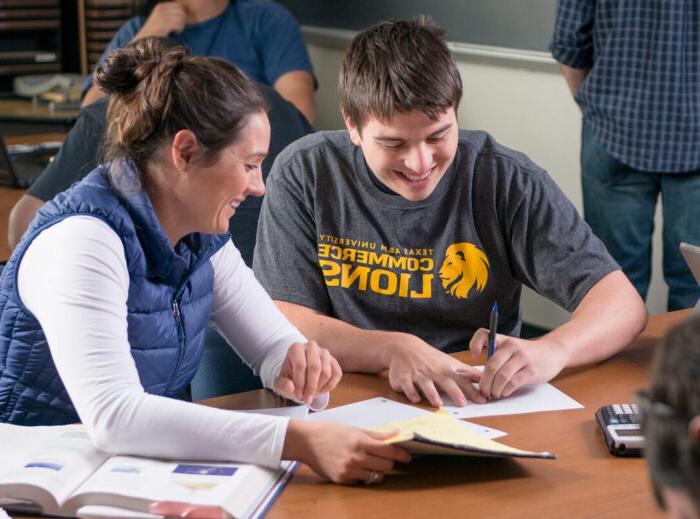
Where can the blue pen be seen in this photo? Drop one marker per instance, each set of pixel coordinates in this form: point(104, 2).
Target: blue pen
point(493, 325)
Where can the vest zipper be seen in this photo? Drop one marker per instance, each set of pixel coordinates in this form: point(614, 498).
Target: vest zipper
point(181, 342)
point(178, 320)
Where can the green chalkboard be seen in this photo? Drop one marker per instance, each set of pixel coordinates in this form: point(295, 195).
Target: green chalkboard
point(519, 24)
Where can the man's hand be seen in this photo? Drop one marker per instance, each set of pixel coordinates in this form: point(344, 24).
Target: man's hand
point(308, 370)
point(417, 368)
point(340, 453)
point(516, 362)
point(165, 18)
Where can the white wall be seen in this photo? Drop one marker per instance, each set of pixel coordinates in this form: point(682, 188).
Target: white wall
point(524, 106)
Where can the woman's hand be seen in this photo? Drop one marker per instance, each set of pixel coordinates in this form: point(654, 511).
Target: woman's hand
point(516, 362)
point(308, 370)
point(341, 453)
point(165, 18)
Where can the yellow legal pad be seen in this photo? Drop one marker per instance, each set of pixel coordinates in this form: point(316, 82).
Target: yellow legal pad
point(440, 433)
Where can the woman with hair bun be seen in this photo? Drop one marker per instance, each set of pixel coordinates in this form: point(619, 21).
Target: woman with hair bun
point(104, 302)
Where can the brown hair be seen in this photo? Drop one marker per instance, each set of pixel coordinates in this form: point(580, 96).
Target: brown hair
point(398, 66)
point(673, 400)
point(156, 91)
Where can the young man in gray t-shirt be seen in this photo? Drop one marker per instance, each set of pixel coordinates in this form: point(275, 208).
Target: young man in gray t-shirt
point(389, 243)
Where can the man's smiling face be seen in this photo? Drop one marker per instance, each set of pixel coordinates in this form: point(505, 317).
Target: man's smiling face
point(410, 152)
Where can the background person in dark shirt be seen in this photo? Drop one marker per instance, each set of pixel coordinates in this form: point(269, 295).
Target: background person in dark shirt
point(221, 371)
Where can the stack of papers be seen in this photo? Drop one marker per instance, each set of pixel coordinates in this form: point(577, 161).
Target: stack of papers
point(376, 412)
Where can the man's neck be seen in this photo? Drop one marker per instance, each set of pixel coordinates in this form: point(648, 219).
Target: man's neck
point(201, 10)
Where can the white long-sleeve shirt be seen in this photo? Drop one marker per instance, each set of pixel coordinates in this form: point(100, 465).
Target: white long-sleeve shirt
point(74, 279)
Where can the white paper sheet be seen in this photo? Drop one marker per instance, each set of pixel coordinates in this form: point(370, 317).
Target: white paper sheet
point(379, 411)
point(528, 399)
point(291, 411)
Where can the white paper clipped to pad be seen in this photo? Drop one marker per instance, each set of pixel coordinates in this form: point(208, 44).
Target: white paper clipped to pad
point(378, 411)
point(528, 399)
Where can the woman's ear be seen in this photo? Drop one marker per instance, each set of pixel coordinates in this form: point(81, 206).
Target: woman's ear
point(184, 148)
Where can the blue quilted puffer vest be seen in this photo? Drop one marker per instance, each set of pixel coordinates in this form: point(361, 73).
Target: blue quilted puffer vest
point(169, 304)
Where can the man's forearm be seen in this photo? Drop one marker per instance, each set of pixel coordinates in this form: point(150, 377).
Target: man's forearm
point(606, 320)
point(355, 349)
point(298, 88)
point(93, 94)
point(574, 77)
point(21, 216)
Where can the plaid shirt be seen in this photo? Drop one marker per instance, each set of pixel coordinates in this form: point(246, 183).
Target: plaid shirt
point(641, 96)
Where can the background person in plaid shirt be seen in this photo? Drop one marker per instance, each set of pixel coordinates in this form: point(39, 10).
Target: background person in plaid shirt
point(634, 69)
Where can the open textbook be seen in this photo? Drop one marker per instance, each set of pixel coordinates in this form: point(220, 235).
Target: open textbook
point(440, 433)
point(57, 471)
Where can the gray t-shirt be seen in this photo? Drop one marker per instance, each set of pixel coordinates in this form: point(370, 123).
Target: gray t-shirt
point(331, 240)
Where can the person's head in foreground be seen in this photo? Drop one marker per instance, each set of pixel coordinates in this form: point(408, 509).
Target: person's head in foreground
point(670, 411)
point(399, 91)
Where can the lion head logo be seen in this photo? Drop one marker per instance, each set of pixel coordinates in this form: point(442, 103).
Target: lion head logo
point(464, 266)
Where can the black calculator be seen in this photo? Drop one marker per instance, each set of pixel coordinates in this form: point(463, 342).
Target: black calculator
point(621, 429)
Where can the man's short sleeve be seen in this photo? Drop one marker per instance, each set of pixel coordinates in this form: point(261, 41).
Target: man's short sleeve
point(281, 43)
point(572, 42)
point(124, 35)
point(285, 252)
point(552, 249)
point(77, 156)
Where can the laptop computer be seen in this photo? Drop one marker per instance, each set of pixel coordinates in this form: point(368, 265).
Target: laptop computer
point(21, 164)
point(691, 254)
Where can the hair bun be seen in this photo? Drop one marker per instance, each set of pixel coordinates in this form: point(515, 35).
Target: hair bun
point(116, 74)
point(125, 68)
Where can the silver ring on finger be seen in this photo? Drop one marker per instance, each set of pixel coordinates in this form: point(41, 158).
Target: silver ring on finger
point(374, 477)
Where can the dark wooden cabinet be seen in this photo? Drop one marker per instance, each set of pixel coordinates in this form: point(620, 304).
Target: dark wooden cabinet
point(30, 38)
point(51, 36)
point(99, 21)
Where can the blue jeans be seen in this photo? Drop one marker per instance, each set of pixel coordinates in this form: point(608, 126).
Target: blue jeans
point(619, 204)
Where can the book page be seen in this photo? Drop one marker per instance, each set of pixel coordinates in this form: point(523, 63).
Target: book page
point(57, 459)
point(134, 483)
point(108, 512)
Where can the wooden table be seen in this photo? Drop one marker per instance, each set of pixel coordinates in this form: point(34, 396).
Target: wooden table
point(20, 109)
point(19, 116)
point(585, 481)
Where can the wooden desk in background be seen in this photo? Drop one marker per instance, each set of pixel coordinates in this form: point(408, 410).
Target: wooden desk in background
point(10, 195)
point(17, 110)
point(585, 481)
